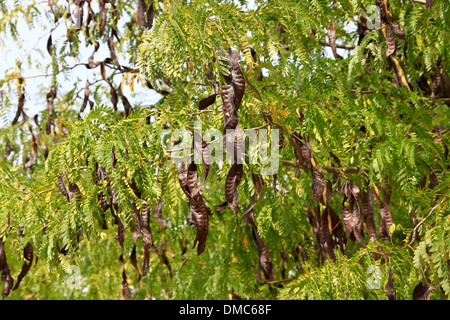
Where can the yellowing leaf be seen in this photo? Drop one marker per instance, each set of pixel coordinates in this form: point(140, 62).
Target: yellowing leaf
point(391, 229)
point(284, 113)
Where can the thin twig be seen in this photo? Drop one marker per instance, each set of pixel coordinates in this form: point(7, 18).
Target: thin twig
point(258, 128)
point(340, 46)
point(200, 112)
point(280, 281)
point(414, 231)
point(327, 169)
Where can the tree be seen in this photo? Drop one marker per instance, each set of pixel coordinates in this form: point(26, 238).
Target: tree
point(110, 199)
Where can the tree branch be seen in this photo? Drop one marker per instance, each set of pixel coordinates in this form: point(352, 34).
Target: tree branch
point(327, 169)
point(340, 46)
point(414, 231)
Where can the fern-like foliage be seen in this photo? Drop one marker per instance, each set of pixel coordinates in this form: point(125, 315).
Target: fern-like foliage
point(358, 208)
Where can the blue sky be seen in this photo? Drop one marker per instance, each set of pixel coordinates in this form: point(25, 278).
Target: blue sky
point(32, 45)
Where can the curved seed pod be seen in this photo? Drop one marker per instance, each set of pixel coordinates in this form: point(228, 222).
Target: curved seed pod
point(332, 40)
point(182, 178)
point(390, 41)
point(382, 6)
point(49, 45)
point(320, 186)
point(34, 152)
point(231, 123)
point(231, 183)
point(238, 149)
point(140, 13)
point(228, 107)
point(264, 263)
point(336, 228)
point(238, 79)
point(369, 215)
point(145, 227)
point(133, 257)
point(200, 215)
point(398, 31)
point(201, 149)
point(387, 191)
point(386, 221)
point(134, 187)
point(422, 291)
point(258, 185)
point(5, 272)
point(296, 142)
point(114, 99)
point(74, 191)
point(221, 207)
point(157, 214)
point(150, 15)
point(28, 255)
point(433, 180)
point(125, 291)
point(192, 179)
point(62, 187)
point(190, 216)
point(325, 240)
point(86, 96)
point(51, 95)
point(351, 213)
point(389, 287)
point(20, 105)
point(112, 50)
point(206, 102)
point(198, 211)
point(386, 217)
point(3, 262)
point(145, 232)
point(9, 282)
point(102, 17)
point(125, 102)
